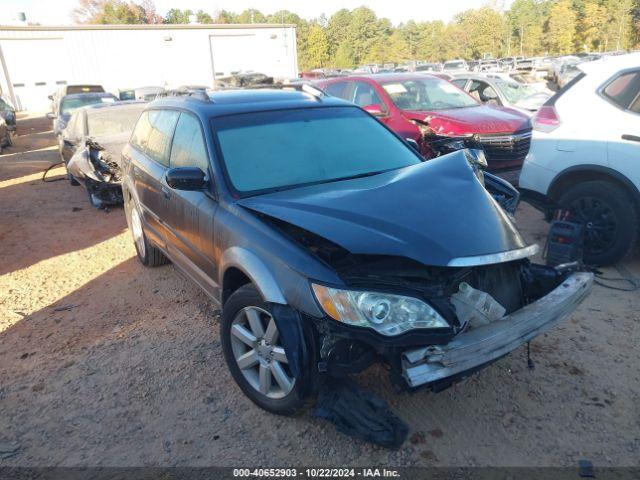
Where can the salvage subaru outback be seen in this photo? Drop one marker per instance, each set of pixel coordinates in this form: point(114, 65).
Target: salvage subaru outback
point(331, 244)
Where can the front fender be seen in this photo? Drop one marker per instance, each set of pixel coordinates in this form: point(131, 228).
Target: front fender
point(255, 269)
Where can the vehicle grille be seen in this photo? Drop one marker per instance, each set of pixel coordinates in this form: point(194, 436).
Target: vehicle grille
point(505, 148)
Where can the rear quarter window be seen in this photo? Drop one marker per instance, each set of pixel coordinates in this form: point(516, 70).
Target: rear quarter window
point(624, 91)
point(140, 135)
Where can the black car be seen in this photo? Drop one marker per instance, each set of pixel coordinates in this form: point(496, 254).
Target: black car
point(331, 244)
point(91, 146)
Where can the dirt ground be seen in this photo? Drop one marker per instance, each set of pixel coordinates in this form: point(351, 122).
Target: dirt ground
point(106, 363)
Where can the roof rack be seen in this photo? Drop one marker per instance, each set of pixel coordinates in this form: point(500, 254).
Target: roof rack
point(197, 93)
point(305, 87)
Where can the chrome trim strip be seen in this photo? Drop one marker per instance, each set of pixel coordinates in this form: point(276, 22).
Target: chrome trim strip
point(494, 257)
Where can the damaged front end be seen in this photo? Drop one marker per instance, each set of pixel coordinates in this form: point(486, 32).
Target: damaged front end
point(98, 168)
point(483, 312)
point(429, 274)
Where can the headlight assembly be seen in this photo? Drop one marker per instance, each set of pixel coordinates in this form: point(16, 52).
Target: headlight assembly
point(386, 313)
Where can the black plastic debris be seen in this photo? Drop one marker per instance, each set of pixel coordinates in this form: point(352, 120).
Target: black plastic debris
point(360, 414)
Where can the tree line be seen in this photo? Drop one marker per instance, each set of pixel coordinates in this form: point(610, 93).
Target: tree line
point(355, 37)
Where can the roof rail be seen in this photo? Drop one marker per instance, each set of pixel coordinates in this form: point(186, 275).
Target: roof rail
point(197, 93)
point(305, 87)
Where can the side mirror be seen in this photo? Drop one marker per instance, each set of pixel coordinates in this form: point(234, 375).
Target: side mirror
point(375, 110)
point(51, 116)
point(186, 178)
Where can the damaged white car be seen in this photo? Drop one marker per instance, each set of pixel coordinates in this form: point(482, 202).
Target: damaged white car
point(91, 145)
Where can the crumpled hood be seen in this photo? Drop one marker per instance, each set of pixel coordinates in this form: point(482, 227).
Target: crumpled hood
point(432, 212)
point(113, 144)
point(465, 121)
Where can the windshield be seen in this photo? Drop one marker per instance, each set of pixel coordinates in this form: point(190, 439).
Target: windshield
point(109, 121)
point(427, 94)
point(453, 65)
point(513, 91)
point(287, 148)
point(70, 105)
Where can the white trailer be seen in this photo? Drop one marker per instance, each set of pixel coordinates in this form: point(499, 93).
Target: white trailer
point(36, 61)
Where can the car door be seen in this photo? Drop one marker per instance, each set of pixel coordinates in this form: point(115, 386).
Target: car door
point(623, 123)
point(152, 143)
point(190, 225)
point(483, 92)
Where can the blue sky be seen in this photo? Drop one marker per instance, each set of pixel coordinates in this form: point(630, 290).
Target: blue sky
point(57, 12)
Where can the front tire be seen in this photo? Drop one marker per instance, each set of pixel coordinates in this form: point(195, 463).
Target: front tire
point(148, 255)
point(255, 356)
point(610, 220)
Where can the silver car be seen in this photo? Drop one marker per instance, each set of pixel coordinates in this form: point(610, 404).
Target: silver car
point(499, 91)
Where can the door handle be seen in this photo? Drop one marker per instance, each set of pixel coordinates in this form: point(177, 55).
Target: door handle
point(631, 138)
point(166, 192)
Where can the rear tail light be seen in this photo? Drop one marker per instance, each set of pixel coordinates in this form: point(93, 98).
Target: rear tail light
point(546, 120)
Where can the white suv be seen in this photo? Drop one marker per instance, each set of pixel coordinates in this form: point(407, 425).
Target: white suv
point(585, 155)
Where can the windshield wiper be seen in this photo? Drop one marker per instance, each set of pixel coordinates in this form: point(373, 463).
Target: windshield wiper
point(352, 177)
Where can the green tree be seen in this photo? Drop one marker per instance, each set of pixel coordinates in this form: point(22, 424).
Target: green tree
point(619, 26)
point(203, 17)
point(561, 27)
point(317, 47)
point(251, 15)
point(592, 27)
point(337, 30)
point(175, 15)
point(344, 57)
point(525, 28)
point(224, 17)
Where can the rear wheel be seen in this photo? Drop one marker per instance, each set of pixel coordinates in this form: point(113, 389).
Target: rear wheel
point(148, 255)
point(254, 354)
point(610, 220)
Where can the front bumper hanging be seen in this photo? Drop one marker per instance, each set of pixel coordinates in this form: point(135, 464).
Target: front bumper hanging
point(484, 344)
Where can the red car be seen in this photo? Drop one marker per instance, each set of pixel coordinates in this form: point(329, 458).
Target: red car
point(428, 109)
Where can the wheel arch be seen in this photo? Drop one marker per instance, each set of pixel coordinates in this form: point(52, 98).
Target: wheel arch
point(586, 173)
point(240, 266)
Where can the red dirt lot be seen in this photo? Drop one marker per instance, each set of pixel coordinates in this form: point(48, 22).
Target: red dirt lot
point(106, 363)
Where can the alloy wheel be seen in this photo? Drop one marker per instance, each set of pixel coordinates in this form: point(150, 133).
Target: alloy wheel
point(600, 223)
point(259, 354)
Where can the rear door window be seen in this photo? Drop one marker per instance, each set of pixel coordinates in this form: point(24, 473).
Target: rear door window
point(188, 148)
point(364, 94)
point(624, 91)
point(140, 135)
point(162, 123)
